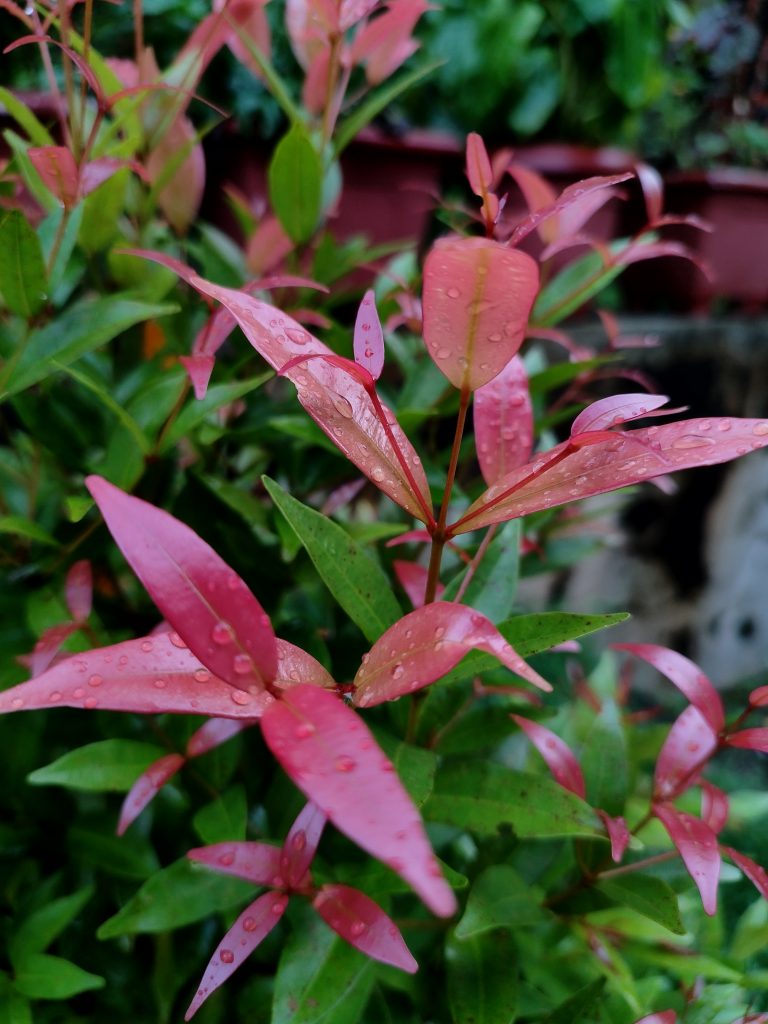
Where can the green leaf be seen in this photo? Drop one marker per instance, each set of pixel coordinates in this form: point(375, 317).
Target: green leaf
point(482, 979)
point(500, 898)
point(349, 572)
point(49, 977)
point(320, 978)
point(179, 894)
point(130, 856)
point(415, 766)
point(102, 210)
point(21, 527)
point(106, 766)
point(37, 932)
point(296, 183)
point(604, 761)
point(485, 797)
point(573, 1009)
point(573, 286)
point(14, 1008)
point(21, 113)
point(196, 411)
point(87, 379)
point(48, 232)
point(23, 277)
point(491, 590)
point(223, 819)
point(649, 896)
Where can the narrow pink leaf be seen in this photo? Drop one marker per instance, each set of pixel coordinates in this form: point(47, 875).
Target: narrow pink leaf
point(146, 787)
point(364, 925)
point(250, 929)
point(384, 43)
point(503, 418)
point(637, 252)
point(213, 733)
point(250, 20)
point(570, 195)
point(697, 845)
point(756, 874)
point(147, 676)
point(48, 646)
point(412, 577)
point(538, 195)
point(562, 475)
point(652, 185)
point(618, 833)
point(690, 742)
point(687, 677)
point(342, 496)
point(78, 590)
point(352, 11)
point(369, 337)
point(479, 171)
point(574, 217)
point(759, 698)
point(334, 760)
point(714, 806)
point(77, 59)
point(558, 756)
point(477, 298)
point(749, 739)
point(204, 600)
point(610, 412)
point(664, 1017)
point(199, 369)
point(255, 862)
point(317, 82)
point(301, 844)
point(410, 537)
point(268, 246)
point(58, 171)
point(427, 643)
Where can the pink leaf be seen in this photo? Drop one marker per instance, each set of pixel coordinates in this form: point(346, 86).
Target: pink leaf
point(309, 23)
point(199, 369)
point(301, 844)
point(80, 63)
point(756, 874)
point(384, 43)
point(714, 806)
point(180, 197)
point(690, 742)
point(333, 759)
point(563, 475)
point(412, 537)
point(251, 928)
point(364, 925)
point(427, 643)
point(78, 590)
point(267, 246)
point(146, 676)
point(296, 666)
point(477, 298)
point(369, 337)
point(749, 739)
point(559, 758)
point(697, 845)
point(255, 862)
point(48, 646)
point(205, 601)
point(146, 787)
point(687, 677)
point(618, 833)
point(317, 82)
point(652, 185)
point(610, 412)
point(538, 195)
point(352, 11)
point(664, 1017)
point(759, 698)
point(58, 171)
point(572, 194)
point(212, 734)
point(96, 172)
point(251, 20)
point(412, 577)
point(636, 252)
point(503, 418)
point(479, 171)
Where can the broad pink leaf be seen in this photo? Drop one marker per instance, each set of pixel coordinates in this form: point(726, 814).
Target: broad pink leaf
point(180, 197)
point(251, 928)
point(204, 600)
point(255, 862)
point(384, 43)
point(364, 925)
point(48, 646)
point(412, 577)
point(690, 742)
point(562, 474)
point(503, 418)
point(697, 845)
point(687, 677)
point(212, 734)
point(477, 298)
point(199, 369)
point(617, 409)
point(146, 676)
point(250, 20)
point(427, 643)
point(78, 590)
point(58, 171)
point(618, 833)
point(301, 844)
point(568, 197)
point(756, 874)
point(714, 806)
point(664, 1017)
point(749, 739)
point(334, 760)
point(558, 756)
point(146, 787)
point(369, 337)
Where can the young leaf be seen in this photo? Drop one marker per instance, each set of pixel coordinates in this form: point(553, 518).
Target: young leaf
point(570, 196)
point(58, 170)
point(754, 872)
point(610, 412)
point(48, 646)
point(477, 297)
point(301, 843)
point(296, 183)
point(503, 419)
point(78, 590)
point(413, 577)
point(697, 845)
point(714, 806)
point(690, 742)
point(618, 833)
point(364, 925)
point(749, 739)
point(258, 863)
point(368, 341)
point(559, 758)
point(204, 600)
point(332, 758)
point(146, 787)
point(22, 270)
point(426, 644)
point(386, 42)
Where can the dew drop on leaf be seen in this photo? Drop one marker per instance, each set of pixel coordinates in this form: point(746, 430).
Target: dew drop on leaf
point(221, 634)
point(227, 956)
point(345, 764)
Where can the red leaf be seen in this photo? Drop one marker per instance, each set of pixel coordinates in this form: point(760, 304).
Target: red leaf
point(749, 739)
point(756, 874)
point(96, 172)
point(300, 844)
point(296, 666)
point(558, 756)
point(199, 369)
point(664, 1017)
point(538, 195)
point(333, 759)
point(503, 418)
point(384, 43)
point(690, 741)
point(427, 643)
point(477, 298)
point(212, 734)
point(479, 171)
point(714, 806)
point(687, 677)
point(610, 412)
point(364, 925)
point(618, 833)
point(58, 171)
point(352, 11)
point(575, 193)
point(562, 475)
point(205, 601)
point(759, 698)
point(412, 577)
point(146, 787)
point(78, 590)
point(251, 928)
point(255, 862)
point(48, 646)
point(369, 337)
point(697, 845)
point(413, 537)
point(251, 20)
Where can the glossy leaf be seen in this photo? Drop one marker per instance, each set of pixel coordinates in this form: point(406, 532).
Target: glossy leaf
point(477, 298)
point(570, 196)
point(22, 270)
point(558, 756)
point(204, 600)
point(493, 585)
point(104, 766)
point(42, 976)
point(690, 742)
point(296, 183)
point(364, 925)
point(258, 863)
point(426, 644)
point(500, 898)
point(652, 897)
point(478, 991)
point(368, 340)
point(617, 409)
point(749, 739)
point(146, 787)
point(301, 843)
point(503, 419)
point(697, 845)
point(715, 806)
point(754, 872)
point(331, 756)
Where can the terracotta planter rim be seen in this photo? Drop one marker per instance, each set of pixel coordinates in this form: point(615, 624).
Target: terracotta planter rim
point(720, 179)
point(573, 159)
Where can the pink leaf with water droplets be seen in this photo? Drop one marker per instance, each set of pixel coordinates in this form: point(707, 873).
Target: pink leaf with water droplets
point(255, 862)
point(687, 677)
point(577, 193)
point(697, 845)
point(503, 419)
point(618, 833)
point(754, 872)
point(426, 644)
point(212, 734)
point(59, 173)
point(296, 666)
point(690, 742)
point(251, 928)
point(610, 412)
point(146, 787)
point(664, 1017)
point(364, 925)
point(334, 760)
point(714, 806)
point(78, 590)
point(477, 298)
point(369, 337)
point(301, 844)
point(204, 600)
point(558, 756)
point(749, 739)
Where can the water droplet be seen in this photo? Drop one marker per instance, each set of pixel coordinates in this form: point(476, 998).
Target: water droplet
point(439, 632)
point(241, 697)
point(704, 425)
point(146, 646)
point(377, 474)
point(453, 293)
point(345, 764)
point(79, 693)
point(387, 766)
point(494, 337)
point(760, 429)
point(343, 407)
point(233, 582)
point(227, 956)
point(277, 908)
point(249, 924)
point(299, 841)
point(227, 859)
point(397, 671)
point(356, 929)
point(122, 661)
point(17, 702)
point(242, 664)
point(202, 675)
point(222, 634)
point(297, 336)
point(724, 426)
point(90, 703)
point(159, 684)
point(443, 353)
point(176, 640)
point(304, 730)
point(692, 441)
point(95, 680)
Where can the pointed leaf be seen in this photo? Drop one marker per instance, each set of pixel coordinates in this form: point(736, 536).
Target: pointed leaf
point(652, 897)
point(493, 585)
point(413, 577)
point(48, 646)
point(610, 412)
point(690, 742)
point(251, 928)
point(296, 183)
point(573, 1009)
point(146, 787)
point(42, 976)
point(58, 170)
point(558, 756)
point(364, 925)
point(754, 872)
point(101, 767)
point(384, 43)
point(618, 833)
point(503, 419)
point(301, 843)
point(369, 337)
point(501, 898)
point(479, 171)
point(714, 806)
point(199, 369)
point(352, 11)
point(426, 644)
point(258, 863)
point(538, 195)
point(749, 739)
point(697, 845)
point(296, 666)
point(23, 275)
point(78, 590)
point(204, 600)
point(575, 193)
point(477, 298)
point(37, 931)
point(331, 756)
point(211, 735)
